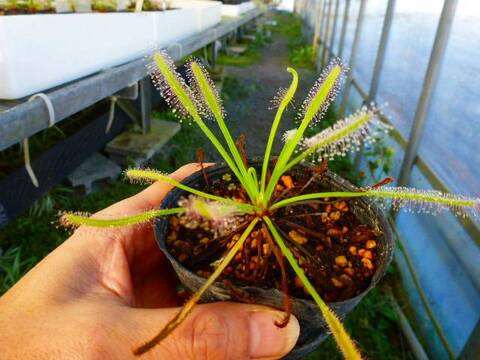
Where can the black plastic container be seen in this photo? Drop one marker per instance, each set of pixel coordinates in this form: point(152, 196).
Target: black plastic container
point(234, 2)
point(313, 328)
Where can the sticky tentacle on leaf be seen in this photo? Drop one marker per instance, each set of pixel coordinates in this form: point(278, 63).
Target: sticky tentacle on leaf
point(283, 103)
point(154, 175)
point(345, 135)
point(320, 97)
point(211, 104)
point(429, 201)
point(72, 219)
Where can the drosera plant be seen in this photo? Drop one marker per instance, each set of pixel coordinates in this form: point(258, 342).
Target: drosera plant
point(104, 5)
point(199, 101)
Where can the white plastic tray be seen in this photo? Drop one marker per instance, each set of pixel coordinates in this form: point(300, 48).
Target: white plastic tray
point(173, 25)
point(38, 52)
point(209, 13)
point(237, 10)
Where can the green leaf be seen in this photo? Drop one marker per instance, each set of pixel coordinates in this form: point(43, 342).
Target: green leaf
point(70, 219)
point(344, 342)
point(286, 99)
point(172, 86)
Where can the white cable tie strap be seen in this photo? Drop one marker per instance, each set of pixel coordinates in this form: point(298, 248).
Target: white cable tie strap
point(26, 146)
point(179, 47)
point(111, 114)
point(135, 91)
point(28, 164)
point(48, 104)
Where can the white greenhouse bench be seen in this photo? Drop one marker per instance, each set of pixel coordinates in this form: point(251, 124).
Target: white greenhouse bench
point(38, 52)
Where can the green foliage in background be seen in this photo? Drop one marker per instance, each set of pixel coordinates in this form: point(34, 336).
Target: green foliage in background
point(300, 52)
point(373, 323)
point(12, 266)
point(251, 55)
point(379, 157)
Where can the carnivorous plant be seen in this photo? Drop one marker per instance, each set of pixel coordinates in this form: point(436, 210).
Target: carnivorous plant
point(198, 100)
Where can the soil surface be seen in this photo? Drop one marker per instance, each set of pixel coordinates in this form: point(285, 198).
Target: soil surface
point(335, 250)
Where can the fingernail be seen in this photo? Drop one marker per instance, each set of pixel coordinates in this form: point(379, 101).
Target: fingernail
point(266, 340)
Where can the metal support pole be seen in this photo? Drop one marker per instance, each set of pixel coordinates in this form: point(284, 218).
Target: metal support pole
point(323, 21)
point(472, 347)
point(429, 83)
point(377, 68)
point(316, 33)
point(240, 32)
point(408, 332)
point(334, 26)
point(382, 49)
point(213, 49)
point(343, 32)
point(146, 104)
point(353, 56)
point(326, 49)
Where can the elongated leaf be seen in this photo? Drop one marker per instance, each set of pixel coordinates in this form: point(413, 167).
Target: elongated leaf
point(71, 219)
point(171, 85)
point(187, 308)
point(154, 175)
point(344, 342)
point(205, 90)
point(414, 200)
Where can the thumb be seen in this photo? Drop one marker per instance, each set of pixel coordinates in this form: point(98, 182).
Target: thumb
point(216, 331)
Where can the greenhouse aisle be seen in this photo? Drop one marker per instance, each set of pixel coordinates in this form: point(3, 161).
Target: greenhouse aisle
point(253, 115)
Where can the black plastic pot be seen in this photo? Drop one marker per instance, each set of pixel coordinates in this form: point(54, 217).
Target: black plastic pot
point(313, 328)
point(234, 2)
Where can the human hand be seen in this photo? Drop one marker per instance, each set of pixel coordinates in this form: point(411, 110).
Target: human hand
point(103, 293)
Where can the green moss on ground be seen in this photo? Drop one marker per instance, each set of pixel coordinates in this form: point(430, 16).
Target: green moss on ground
point(300, 53)
point(250, 56)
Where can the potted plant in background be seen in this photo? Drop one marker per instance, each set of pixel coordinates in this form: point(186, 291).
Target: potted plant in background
point(150, 5)
point(73, 6)
point(234, 228)
point(109, 5)
point(17, 7)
